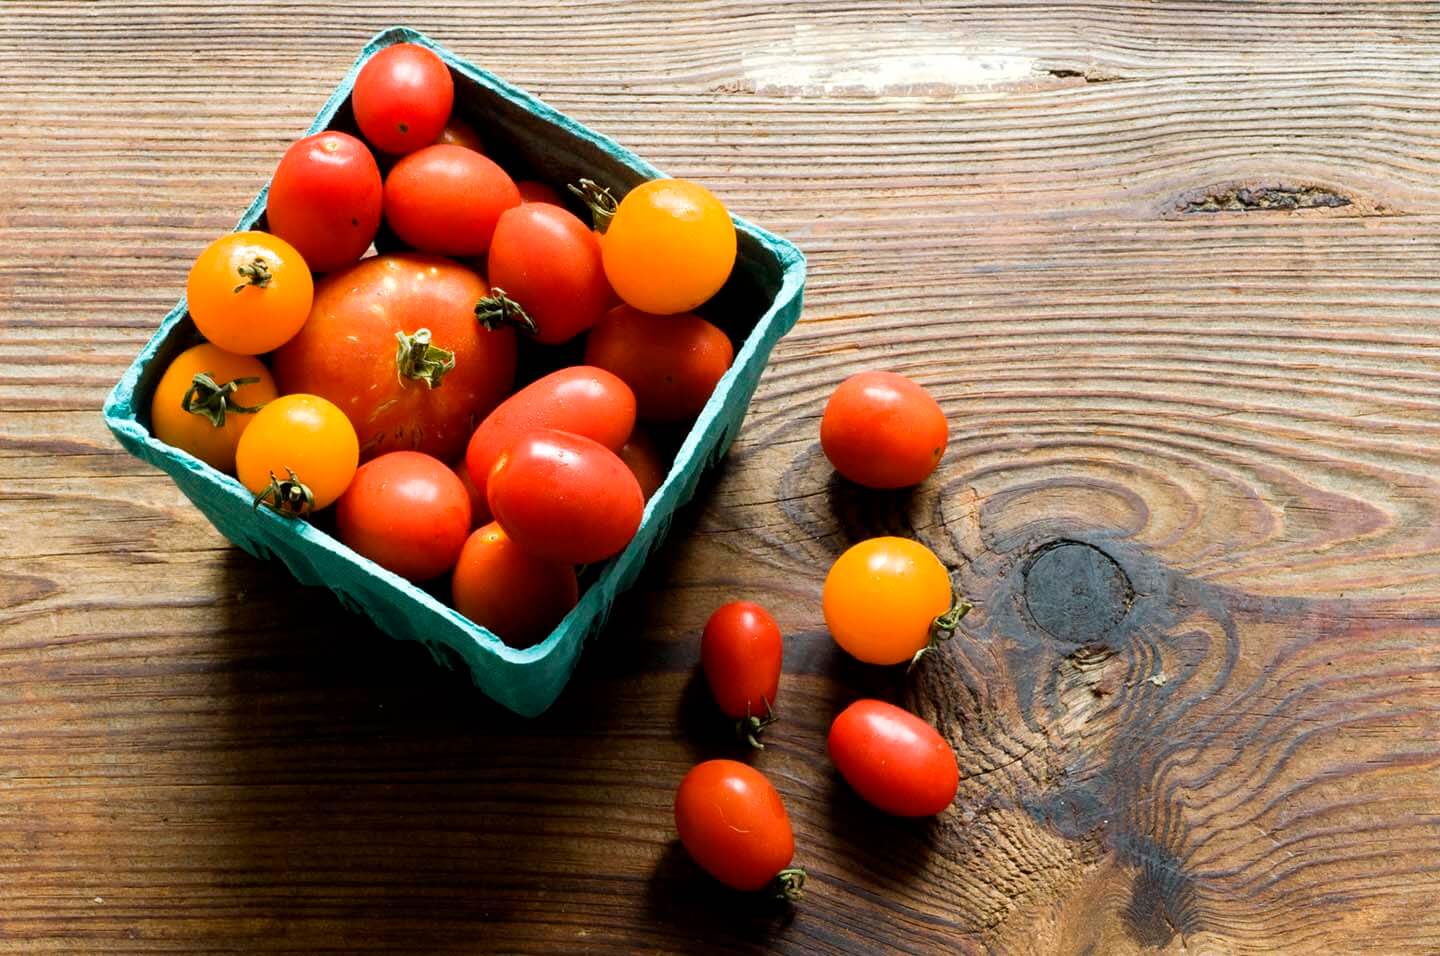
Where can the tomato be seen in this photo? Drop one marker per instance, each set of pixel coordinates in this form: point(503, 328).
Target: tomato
point(206, 399)
point(671, 362)
point(564, 497)
point(644, 460)
point(669, 247)
point(886, 599)
point(734, 825)
point(532, 190)
point(516, 596)
point(479, 507)
point(325, 199)
point(740, 652)
point(894, 760)
point(407, 512)
point(298, 455)
point(447, 199)
point(457, 132)
point(402, 98)
point(580, 399)
point(365, 349)
point(882, 430)
point(545, 273)
point(249, 292)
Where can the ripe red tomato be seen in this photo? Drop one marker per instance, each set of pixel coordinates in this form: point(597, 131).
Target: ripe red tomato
point(545, 273)
point(734, 825)
point(406, 512)
point(532, 190)
point(565, 497)
point(402, 98)
point(671, 362)
point(325, 199)
point(457, 132)
point(580, 399)
point(894, 760)
point(447, 199)
point(516, 596)
point(882, 430)
point(740, 652)
point(641, 455)
point(362, 348)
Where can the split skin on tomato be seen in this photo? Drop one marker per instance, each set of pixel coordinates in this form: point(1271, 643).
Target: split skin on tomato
point(249, 292)
point(882, 430)
point(733, 824)
point(298, 454)
point(515, 595)
point(669, 247)
point(205, 401)
point(886, 599)
point(407, 512)
point(545, 273)
point(894, 760)
point(741, 651)
point(671, 362)
point(447, 200)
point(325, 199)
point(402, 98)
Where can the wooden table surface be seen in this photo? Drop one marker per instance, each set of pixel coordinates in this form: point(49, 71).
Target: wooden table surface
point(1169, 265)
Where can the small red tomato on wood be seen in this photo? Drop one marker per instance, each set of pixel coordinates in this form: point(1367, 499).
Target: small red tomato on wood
point(545, 274)
point(734, 825)
point(671, 362)
point(407, 512)
point(894, 760)
point(518, 597)
point(325, 199)
point(447, 199)
point(741, 651)
point(882, 430)
point(402, 98)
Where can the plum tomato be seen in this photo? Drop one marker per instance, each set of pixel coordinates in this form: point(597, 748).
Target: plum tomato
point(545, 274)
point(532, 190)
point(894, 760)
point(457, 132)
point(642, 456)
point(734, 825)
point(564, 497)
point(479, 507)
point(407, 512)
point(206, 399)
point(249, 292)
point(402, 98)
point(298, 455)
point(325, 199)
point(886, 599)
point(882, 430)
point(671, 362)
point(393, 341)
point(740, 652)
point(516, 596)
point(669, 247)
point(447, 199)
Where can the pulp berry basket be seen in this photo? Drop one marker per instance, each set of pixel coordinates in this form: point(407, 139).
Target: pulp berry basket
point(759, 304)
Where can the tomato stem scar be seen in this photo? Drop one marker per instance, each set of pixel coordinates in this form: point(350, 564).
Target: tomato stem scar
point(600, 200)
point(256, 273)
point(289, 496)
point(497, 308)
point(416, 357)
point(212, 401)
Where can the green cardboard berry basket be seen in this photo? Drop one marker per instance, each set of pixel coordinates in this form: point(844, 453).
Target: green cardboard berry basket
point(758, 305)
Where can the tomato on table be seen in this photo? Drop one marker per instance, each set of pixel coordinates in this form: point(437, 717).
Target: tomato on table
point(249, 292)
point(325, 199)
point(671, 362)
point(447, 200)
point(882, 430)
point(894, 760)
point(733, 823)
point(887, 599)
point(502, 587)
point(407, 512)
point(642, 456)
point(741, 651)
point(545, 273)
point(402, 98)
point(205, 401)
point(298, 454)
point(669, 246)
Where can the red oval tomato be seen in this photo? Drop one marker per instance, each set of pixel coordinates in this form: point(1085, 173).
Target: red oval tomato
point(671, 362)
point(565, 497)
point(325, 199)
point(447, 199)
point(740, 652)
point(516, 596)
point(406, 512)
point(546, 262)
point(641, 455)
point(734, 825)
point(894, 760)
point(882, 430)
point(402, 98)
point(398, 394)
point(532, 190)
point(580, 399)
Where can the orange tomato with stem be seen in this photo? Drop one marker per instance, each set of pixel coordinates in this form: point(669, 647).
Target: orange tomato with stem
point(205, 401)
point(669, 246)
point(298, 455)
point(886, 600)
point(249, 292)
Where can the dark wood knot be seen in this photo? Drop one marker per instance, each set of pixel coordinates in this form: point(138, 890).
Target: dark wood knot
point(1075, 592)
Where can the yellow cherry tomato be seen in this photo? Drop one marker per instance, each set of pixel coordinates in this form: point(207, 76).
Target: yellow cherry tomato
point(882, 598)
point(205, 400)
point(249, 292)
point(298, 455)
point(669, 247)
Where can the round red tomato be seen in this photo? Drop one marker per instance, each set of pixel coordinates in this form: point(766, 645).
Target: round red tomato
point(740, 652)
point(671, 362)
point(325, 199)
point(447, 199)
point(406, 512)
point(532, 190)
point(641, 455)
point(565, 497)
point(894, 760)
point(365, 348)
point(545, 273)
point(734, 825)
point(402, 98)
point(516, 596)
point(882, 430)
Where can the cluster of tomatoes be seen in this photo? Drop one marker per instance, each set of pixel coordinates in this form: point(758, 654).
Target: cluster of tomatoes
point(388, 384)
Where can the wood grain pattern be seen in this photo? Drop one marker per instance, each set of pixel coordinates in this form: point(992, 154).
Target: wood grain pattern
point(1170, 268)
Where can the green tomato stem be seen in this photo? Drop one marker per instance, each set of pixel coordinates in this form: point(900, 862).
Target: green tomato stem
point(256, 273)
point(211, 401)
point(416, 358)
point(600, 201)
point(498, 309)
point(789, 884)
point(289, 496)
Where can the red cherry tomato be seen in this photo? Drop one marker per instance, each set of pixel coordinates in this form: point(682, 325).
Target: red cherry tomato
point(532, 190)
point(479, 507)
point(643, 458)
point(671, 362)
point(734, 825)
point(402, 98)
point(545, 273)
point(740, 652)
point(516, 596)
point(565, 497)
point(325, 199)
point(406, 512)
point(580, 399)
point(457, 132)
point(881, 430)
point(447, 199)
point(894, 760)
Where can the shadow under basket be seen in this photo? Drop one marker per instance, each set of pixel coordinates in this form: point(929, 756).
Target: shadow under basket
point(760, 302)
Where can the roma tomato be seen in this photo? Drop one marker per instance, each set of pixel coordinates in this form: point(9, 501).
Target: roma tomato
point(402, 98)
point(249, 292)
point(886, 599)
point(393, 341)
point(457, 132)
point(407, 512)
point(669, 247)
point(564, 497)
point(298, 455)
point(671, 362)
point(641, 455)
point(580, 399)
point(545, 273)
point(734, 825)
point(325, 199)
point(206, 399)
point(447, 199)
point(532, 190)
point(740, 652)
point(518, 597)
point(882, 430)
point(894, 760)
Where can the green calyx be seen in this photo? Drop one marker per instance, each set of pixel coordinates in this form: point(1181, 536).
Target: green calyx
point(750, 727)
point(944, 627)
point(601, 202)
point(288, 496)
point(417, 358)
point(256, 273)
point(498, 309)
point(211, 401)
point(789, 884)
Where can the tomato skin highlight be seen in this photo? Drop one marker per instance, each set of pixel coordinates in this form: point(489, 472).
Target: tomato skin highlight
point(733, 823)
point(303, 433)
point(881, 597)
point(669, 247)
point(882, 430)
point(894, 760)
point(407, 512)
point(548, 261)
point(195, 433)
point(447, 200)
point(402, 98)
point(249, 292)
point(516, 596)
point(671, 362)
point(741, 651)
point(325, 199)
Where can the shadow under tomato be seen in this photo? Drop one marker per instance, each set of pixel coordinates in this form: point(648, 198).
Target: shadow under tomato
point(685, 899)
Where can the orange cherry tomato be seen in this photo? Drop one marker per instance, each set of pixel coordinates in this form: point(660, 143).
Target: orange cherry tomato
point(671, 362)
point(642, 456)
point(532, 190)
point(508, 591)
point(407, 512)
point(733, 823)
point(206, 399)
point(882, 430)
point(893, 759)
point(298, 455)
point(882, 599)
point(249, 292)
point(669, 247)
